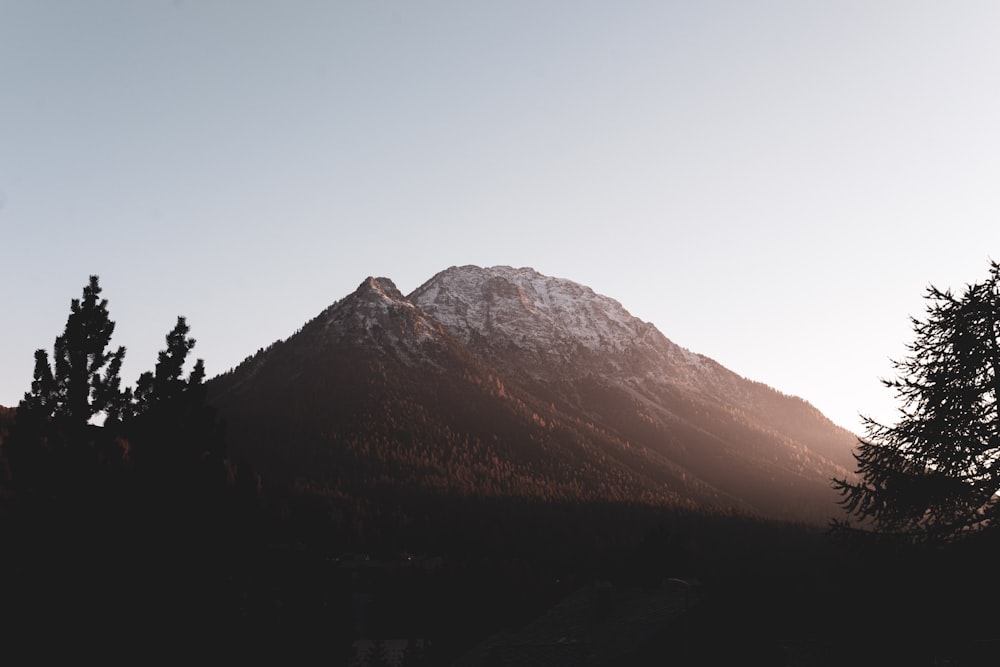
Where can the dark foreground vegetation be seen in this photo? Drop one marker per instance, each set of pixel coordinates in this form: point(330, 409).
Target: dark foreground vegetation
point(136, 540)
point(276, 581)
point(245, 572)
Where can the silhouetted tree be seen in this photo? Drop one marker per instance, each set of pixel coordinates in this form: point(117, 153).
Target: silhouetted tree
point(174, 436)
point(178, 467)
point(55, 445)
point(934, 475)
point(123, 513)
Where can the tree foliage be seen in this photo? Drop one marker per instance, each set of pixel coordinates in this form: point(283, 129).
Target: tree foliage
point(78, 425)
point(74, 388)
point(55, 446)
point(935, 474)
point(119, 515)
point(175, 439)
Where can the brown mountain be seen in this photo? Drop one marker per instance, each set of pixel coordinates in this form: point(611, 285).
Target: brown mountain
point(502, 382)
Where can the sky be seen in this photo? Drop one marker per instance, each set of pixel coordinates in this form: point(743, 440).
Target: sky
point(773, 184)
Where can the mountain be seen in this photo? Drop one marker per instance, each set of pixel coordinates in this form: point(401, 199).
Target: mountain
point(501, 382)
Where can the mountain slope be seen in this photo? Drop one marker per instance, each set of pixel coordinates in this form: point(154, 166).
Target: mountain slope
point(502, 382)
point(587, 353)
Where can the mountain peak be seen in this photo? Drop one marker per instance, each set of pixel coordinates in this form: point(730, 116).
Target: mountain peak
point(380, 288)
point(547, 321)
point(378, 314)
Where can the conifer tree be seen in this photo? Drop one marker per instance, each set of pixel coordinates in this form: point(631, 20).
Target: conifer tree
point(54, 443)
point(166, 383)
point(123, 490)
point(75, 390)
point(934, 475)
point(176, 441)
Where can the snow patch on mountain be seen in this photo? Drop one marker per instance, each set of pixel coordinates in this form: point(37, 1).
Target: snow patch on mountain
point(525, 308)
point(554, 331)
point(557, 325)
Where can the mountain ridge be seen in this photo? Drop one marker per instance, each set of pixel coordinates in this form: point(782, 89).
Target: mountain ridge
point(506, 382)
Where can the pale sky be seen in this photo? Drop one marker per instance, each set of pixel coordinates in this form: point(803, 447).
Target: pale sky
point(771, 184)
